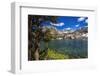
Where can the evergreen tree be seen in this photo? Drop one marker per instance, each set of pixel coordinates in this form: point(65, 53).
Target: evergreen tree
point(36, 33)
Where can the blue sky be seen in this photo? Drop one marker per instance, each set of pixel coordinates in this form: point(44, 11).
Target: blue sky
point(69, 22)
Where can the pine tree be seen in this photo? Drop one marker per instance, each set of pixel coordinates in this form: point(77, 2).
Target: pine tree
point(36, 34)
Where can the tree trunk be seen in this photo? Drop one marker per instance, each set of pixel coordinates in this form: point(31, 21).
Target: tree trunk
point(36, 49)
point(36, 54)
point(30, 51)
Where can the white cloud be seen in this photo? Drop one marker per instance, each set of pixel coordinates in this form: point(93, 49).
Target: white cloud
point(81, 19)
point(76, 25)
point(61, 23)
point(67, 28)
point(57, 24)
point(86, 20)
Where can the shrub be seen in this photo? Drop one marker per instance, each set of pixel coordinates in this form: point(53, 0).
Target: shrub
point(52, 54)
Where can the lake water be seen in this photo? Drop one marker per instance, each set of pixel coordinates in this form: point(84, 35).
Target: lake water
point(78, 48)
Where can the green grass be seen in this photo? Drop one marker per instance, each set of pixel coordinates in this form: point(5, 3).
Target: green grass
point(51, 54)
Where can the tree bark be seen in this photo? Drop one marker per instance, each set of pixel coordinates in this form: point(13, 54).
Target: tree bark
point(36, 47)
point(30, 38)
point(36, 54)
